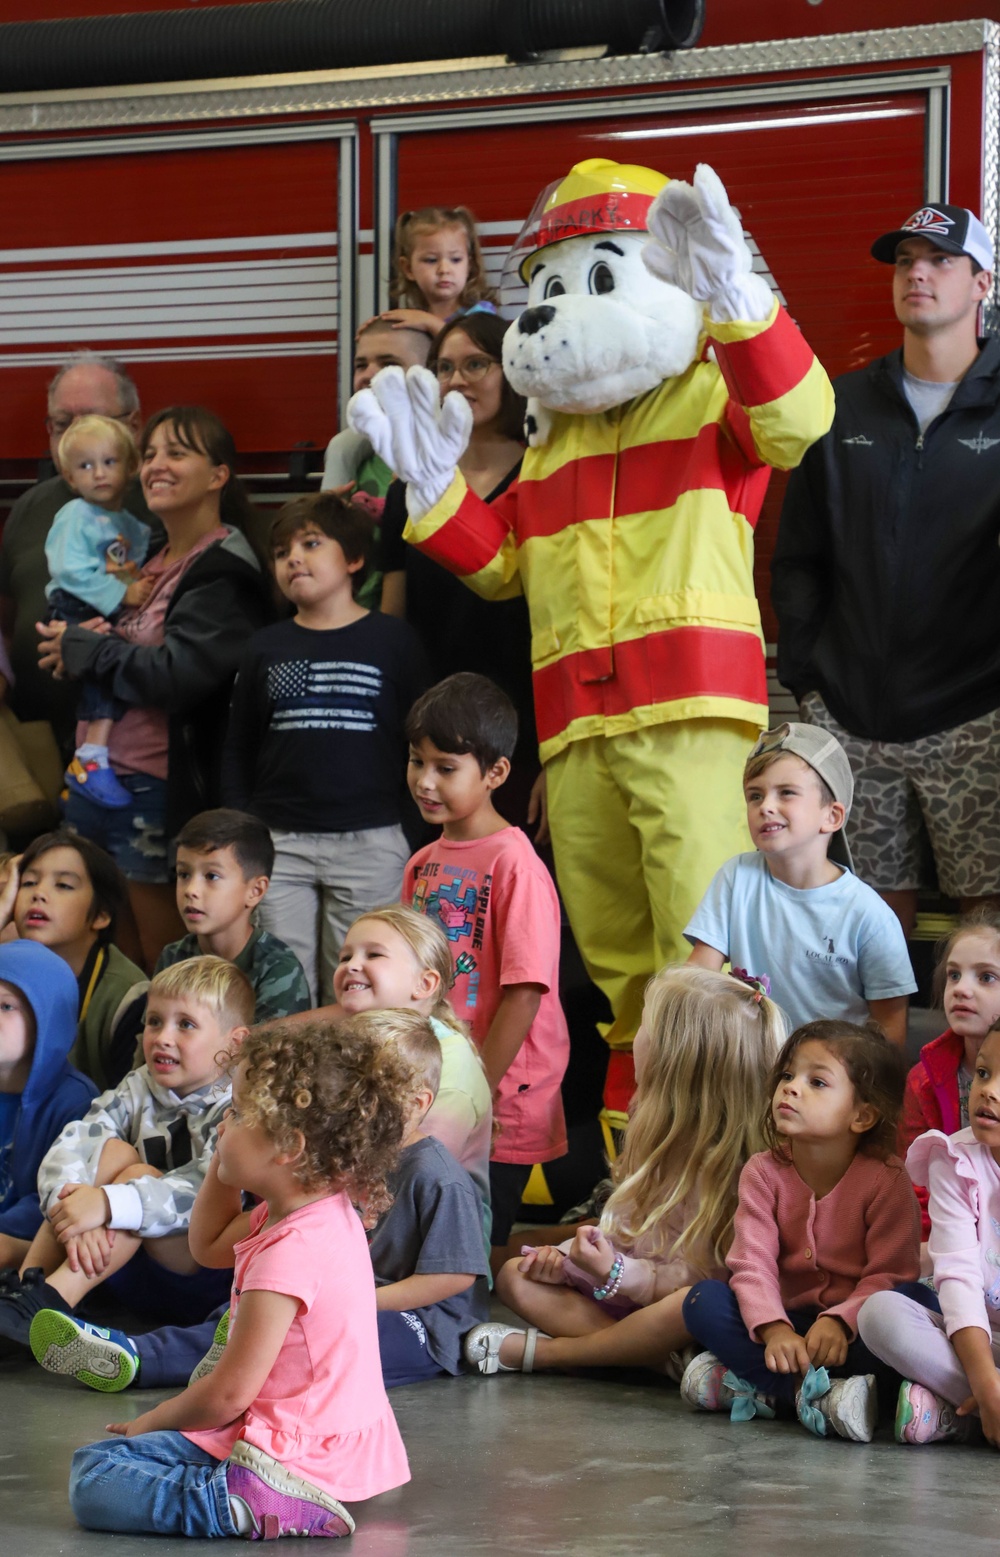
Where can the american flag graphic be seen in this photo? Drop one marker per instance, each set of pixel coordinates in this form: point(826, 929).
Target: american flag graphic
point(323, 695)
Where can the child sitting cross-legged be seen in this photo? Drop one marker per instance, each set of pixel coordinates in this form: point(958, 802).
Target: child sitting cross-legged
point(118, 1187)
point(294, 1417)
point(948, 1361)
point(427, 1250)
point(394, 962)
point(826, 1217)
point(224, 864)
point(795, 910)
point(612, 1296)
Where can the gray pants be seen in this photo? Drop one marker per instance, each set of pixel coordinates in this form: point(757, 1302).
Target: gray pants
point(320, 884)
point(912, 1340)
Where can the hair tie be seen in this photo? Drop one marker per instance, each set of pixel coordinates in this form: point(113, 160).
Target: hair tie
point(761, 985)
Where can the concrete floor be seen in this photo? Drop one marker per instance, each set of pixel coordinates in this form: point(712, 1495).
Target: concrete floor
point(549, 1465)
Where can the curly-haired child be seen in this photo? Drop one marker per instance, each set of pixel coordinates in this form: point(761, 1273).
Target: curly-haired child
point(295, 1416)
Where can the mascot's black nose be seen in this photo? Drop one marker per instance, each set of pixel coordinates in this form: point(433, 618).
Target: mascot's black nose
point(533, 319)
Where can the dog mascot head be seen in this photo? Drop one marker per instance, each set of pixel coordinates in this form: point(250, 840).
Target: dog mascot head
point(599, 328)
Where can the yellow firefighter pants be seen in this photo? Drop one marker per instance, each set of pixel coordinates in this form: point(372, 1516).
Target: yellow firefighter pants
point(640, 823)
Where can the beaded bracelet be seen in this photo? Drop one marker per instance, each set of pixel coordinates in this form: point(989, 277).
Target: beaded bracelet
point(612, 1281)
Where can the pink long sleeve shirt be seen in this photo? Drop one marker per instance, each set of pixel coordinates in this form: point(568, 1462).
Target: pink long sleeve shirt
point(791, 1250)
point(964, 1184)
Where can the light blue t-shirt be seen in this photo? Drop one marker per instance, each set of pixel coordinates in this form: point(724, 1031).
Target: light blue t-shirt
point(827, 950)
point(77, 549)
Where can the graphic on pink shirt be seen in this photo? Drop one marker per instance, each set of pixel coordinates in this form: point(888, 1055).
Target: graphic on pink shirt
point(447, 894)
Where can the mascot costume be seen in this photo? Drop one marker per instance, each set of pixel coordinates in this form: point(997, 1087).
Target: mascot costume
point(664, 380)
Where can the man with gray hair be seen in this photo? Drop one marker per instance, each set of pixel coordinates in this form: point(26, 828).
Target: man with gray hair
point(85, 384)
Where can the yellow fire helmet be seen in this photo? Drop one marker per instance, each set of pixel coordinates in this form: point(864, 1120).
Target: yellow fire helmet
point(596, 196)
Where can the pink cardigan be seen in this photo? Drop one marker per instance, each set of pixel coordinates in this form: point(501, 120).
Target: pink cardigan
point(791, 1250)
point(964, 1184)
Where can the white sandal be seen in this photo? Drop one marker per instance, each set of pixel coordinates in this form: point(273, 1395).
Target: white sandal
point(482, 1347)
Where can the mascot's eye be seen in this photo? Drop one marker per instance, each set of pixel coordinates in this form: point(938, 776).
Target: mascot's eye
point(554, 287)
point(601, 279)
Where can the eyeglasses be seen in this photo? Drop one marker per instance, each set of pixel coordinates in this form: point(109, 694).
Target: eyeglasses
point(57, 425)
point(472, 369)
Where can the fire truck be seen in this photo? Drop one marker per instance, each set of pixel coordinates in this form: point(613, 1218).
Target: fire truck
point(225, 236)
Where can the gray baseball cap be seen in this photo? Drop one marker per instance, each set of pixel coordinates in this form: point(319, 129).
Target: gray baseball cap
point(825, 755)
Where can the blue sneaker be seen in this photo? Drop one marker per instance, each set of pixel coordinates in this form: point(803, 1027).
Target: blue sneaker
point(97, 784)
point(103, 1359)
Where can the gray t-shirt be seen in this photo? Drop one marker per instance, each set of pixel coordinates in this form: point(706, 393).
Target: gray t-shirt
point(927, 399)
point(434, 1227)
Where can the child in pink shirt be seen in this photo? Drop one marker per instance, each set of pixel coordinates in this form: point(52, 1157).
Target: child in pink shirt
point(950, 1359)
point(294, 1416)
point(485, 885)
point(825, 1218)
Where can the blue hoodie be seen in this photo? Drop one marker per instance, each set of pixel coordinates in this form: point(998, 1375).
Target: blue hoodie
point(54, 1093)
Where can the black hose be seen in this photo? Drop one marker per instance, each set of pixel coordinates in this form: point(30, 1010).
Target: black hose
point(295, 35)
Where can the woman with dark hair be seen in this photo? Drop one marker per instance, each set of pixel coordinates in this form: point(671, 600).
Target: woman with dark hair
point(172, 661)
point(459, 629)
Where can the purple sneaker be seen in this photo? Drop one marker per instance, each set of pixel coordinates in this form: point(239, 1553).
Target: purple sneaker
point(279, 1502)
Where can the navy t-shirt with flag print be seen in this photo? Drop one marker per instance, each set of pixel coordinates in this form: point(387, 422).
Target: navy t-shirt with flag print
point(316, 732)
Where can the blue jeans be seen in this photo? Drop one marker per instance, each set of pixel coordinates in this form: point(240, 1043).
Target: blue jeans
point(156, 1484)
point(135, 836)
point(94, 702)
point(712, 1315)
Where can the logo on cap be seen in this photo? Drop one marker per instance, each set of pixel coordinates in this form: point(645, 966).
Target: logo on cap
point(927, 219)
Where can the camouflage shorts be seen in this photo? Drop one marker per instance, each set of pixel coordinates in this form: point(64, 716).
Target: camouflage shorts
point(936, 799)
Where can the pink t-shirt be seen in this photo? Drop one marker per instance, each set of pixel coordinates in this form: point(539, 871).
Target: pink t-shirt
point(497, 905)
point(138, 741)
point(323, 1411)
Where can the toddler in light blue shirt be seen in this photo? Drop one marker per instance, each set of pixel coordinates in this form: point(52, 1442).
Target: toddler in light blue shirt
point(94, 551)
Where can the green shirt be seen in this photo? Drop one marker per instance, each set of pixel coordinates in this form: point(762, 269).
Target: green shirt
point(272, 968)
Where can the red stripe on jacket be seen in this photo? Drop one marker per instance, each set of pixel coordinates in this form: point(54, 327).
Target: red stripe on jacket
point(661, 667)
point(766, 366)
point(650, 478)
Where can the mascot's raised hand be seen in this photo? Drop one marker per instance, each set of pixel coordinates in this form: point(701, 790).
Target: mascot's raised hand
point(420, 438)
point(696, 243)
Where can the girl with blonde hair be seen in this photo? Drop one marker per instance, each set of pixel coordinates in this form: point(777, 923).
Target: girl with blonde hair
point(612, 1296)
point(395, 958)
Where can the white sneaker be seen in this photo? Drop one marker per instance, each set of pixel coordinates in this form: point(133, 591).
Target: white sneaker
point(849, 1406)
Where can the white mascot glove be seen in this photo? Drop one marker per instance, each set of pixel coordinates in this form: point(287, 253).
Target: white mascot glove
point(696, 243)
point(418, 437)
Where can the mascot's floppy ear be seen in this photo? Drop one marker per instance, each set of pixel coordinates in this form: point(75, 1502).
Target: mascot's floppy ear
point(537, 423)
